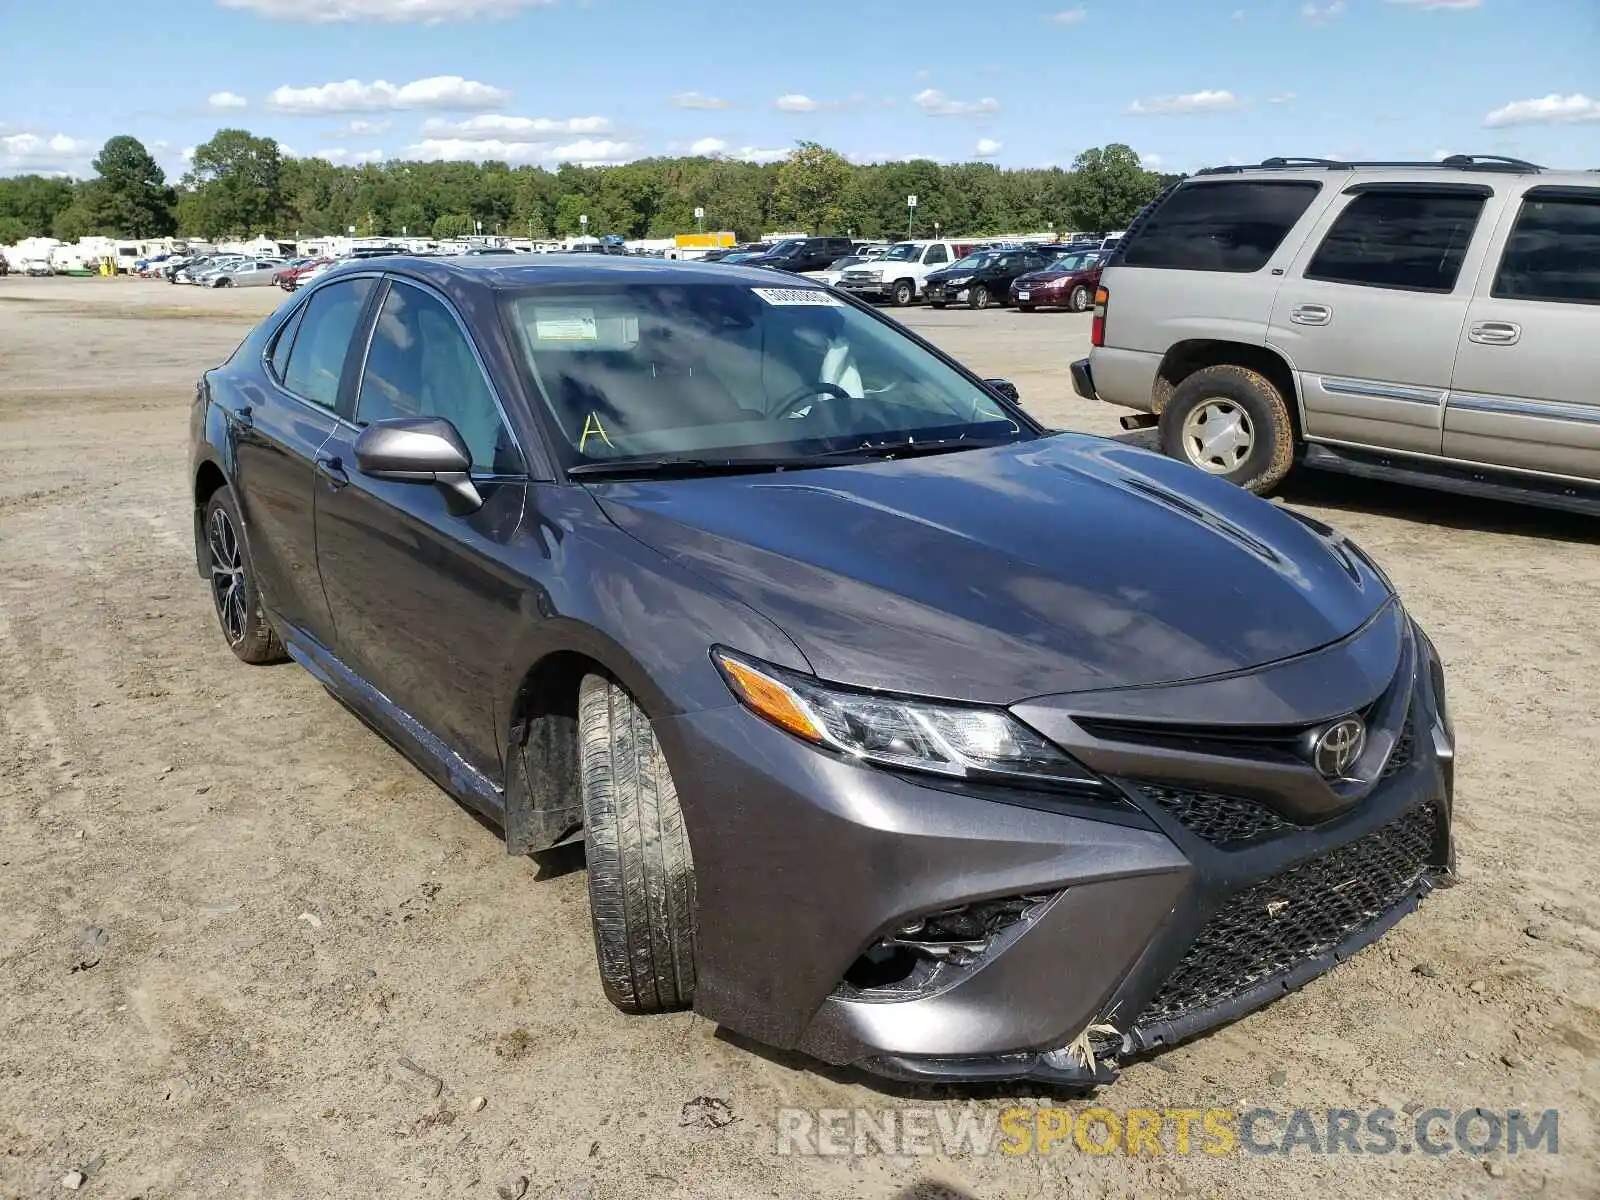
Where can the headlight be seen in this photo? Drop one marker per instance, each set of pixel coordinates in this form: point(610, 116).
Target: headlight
point(958, 281)
point(966, 742)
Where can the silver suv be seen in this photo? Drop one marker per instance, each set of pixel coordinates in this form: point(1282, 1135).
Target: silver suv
point(1438, 323)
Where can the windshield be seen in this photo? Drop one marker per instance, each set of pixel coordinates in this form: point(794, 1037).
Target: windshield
point(629, 371)
point(788, 246)
point(904, 252)
point(973, 262)
point(1075, 260)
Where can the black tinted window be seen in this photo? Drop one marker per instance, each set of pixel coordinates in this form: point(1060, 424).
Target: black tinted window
point(420, 365)
point(1410, 241)
point(317, 357)
point(1233, 226)
point(1554, 252)
point(281, 347)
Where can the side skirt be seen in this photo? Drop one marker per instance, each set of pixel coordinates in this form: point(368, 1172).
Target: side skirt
point(399, 728)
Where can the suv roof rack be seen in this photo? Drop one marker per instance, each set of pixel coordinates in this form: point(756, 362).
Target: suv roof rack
point(1455, 162)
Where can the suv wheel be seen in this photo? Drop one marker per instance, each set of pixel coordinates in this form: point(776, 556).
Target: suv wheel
point(641, 873)
point(233, 585)
point(904, 293)
point(1232, 422)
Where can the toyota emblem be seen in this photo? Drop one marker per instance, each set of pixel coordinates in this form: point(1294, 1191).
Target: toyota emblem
point(1338, 748)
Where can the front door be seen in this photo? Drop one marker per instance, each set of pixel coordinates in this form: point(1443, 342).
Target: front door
point(423, 605)
point(1526, 390)
point(1372, 309)
point(276, 441)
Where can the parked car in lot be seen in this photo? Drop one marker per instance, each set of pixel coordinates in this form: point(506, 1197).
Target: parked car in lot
point(803, 254)
point(898, 274)
point(260, 272)
point(1142, 787)
point(289, 277)
point(1433, 323)
point(981, 278)
point(835, 273)
point(1068, 282)
point(197, 270)
point(37, 267)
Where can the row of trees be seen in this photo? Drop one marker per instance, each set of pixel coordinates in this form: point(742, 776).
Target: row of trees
point(241, 184)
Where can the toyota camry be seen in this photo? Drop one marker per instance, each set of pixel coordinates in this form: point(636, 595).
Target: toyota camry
point(898, 729)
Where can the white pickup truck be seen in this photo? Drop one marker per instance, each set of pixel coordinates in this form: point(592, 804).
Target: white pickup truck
point(897, 275)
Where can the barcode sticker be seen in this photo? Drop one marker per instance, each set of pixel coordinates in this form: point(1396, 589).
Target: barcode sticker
point(799, 296)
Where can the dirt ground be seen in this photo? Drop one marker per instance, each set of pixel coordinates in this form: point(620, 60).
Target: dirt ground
point(230, 911)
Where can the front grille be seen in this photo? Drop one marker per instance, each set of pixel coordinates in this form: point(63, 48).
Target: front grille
point(1222, 820)
point(1405, 748)
point(1284, 922)
point(861, 277)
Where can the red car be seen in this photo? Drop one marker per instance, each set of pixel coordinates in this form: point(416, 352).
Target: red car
point(289, 278)
point(1067, 283)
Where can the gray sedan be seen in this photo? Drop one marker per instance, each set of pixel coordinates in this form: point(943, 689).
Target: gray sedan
point(250, 273)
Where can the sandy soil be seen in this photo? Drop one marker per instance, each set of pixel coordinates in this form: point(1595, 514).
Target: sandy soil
point(230, 911)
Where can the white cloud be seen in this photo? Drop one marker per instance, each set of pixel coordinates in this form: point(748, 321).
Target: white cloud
point(227, 100)
point(1439, 4)
point(188, 153)
point(353, 157)
point(1149, 161)
point(1069, 16)
point(1322, 14)
point(1547, 110)
point(440, 92)
point(708, 146)
point(987, 148)
point(793, 102)
point(697, 100)
point(360, 128)
point(585, 151)
point(761, 154)
point(430, 12)
point(1280, 98)
point(936, 104)
point(1192, 102)
point(526, 129)
point(35, 152)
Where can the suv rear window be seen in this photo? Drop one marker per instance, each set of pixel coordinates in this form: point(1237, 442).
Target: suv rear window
point(1229, 226)
point(1554, 251)
point(1409, 241)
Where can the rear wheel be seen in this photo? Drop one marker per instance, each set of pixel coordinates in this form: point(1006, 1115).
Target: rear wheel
point(1232, 422)
point(641, 872)
point(904, 293)
point(1078, 301)
point(233, 585)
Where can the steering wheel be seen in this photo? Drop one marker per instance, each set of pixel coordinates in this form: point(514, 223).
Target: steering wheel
point(790, 404)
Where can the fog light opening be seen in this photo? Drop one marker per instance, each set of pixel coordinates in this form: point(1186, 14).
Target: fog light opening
point(908, 959)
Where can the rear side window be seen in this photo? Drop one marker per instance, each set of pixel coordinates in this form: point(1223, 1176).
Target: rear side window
point(1554, 252)
point(281, 347)
point(1231, 226)
point(317, 357)
point(1413, 242)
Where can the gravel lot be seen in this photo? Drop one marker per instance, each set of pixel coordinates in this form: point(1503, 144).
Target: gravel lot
point(286, 909)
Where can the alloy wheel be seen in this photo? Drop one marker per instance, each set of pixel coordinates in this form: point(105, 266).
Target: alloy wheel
point(227, 576)
point(1217, 436)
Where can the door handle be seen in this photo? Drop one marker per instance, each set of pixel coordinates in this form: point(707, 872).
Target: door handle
point(1311, 314)
point(332, 470)
point(1495, 333)
point(240, 418)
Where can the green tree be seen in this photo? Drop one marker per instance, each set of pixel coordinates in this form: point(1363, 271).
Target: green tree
point(131, 198)
point(12, 230)
point(454, 225)
point(240, 177)
point(1108, 186)
point(34, 201)
point(810, 188)
point(77, 220)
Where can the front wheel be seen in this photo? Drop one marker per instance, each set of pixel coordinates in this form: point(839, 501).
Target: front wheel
point(936, 304)
point(641, 872)
point(1232, 422)
point(1078, 301)
point(905, 292)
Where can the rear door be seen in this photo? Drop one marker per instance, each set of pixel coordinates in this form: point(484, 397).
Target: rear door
point(1526, 389)
point(422, 601)
point(1372, 309)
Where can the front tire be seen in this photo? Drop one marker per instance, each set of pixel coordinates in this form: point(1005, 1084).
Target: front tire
point(233, 584)
point(1078, 301)
point(641, 871)
point(1231, 422)
point(904, 294)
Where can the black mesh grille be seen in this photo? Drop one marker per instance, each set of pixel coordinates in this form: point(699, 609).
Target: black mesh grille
point(1400, 757)
point(1221, 820)
point(1281, 923)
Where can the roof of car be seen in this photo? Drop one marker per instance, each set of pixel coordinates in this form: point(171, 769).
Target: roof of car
point(1467, 168)
point(500, 273)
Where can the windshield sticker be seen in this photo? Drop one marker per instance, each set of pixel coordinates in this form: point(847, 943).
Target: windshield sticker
point(593, 428)
point(565, 325)
point(799, 296)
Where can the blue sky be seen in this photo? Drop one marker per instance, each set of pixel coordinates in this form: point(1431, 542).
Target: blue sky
point(1187, 83)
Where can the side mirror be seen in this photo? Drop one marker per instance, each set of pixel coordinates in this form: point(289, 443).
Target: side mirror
point(1006, 388)
point(420, 450)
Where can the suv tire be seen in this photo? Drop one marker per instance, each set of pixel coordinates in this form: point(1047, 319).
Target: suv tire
point(233, 583)
point(641, 873)
point(1252, 443)
point(903, 293)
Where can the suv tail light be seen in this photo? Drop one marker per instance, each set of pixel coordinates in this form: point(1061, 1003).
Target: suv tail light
point(1097, 331)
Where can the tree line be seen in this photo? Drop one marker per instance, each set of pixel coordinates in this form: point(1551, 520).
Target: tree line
point(240, 184)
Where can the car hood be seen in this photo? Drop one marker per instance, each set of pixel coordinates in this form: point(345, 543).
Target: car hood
point(1063, 564)
point(1042, 277)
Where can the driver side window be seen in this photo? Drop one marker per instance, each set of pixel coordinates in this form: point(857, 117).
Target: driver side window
point(936, 255)
point(420, 365)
